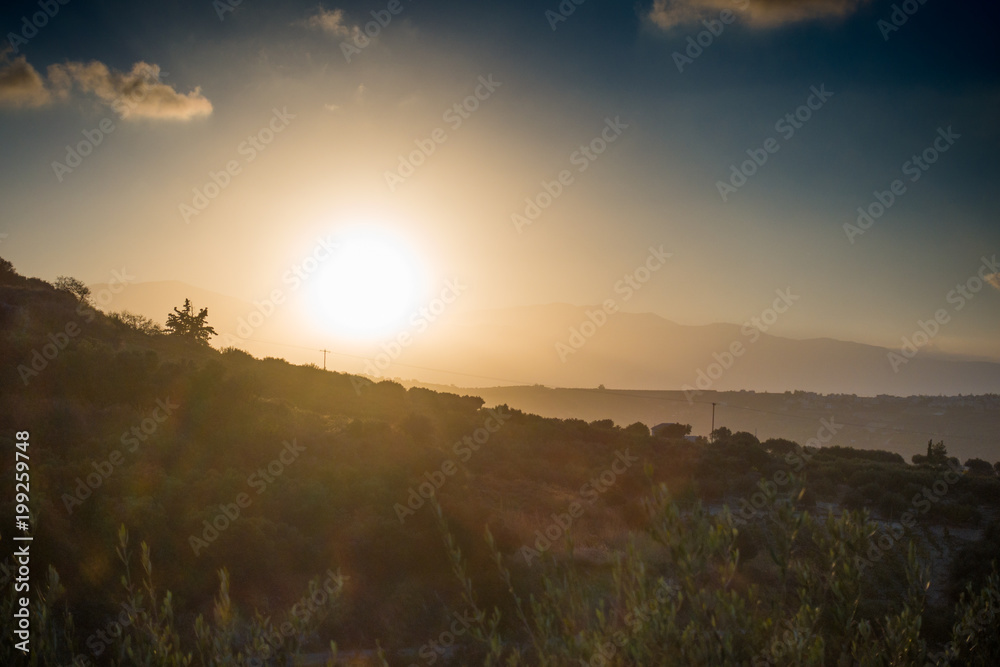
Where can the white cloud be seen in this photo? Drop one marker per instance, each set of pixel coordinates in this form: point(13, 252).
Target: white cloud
point(759, 13)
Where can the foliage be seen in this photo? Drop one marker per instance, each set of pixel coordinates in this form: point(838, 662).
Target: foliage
point(860, 454)
point(638, 428)
point(783, 581)
point(693, 607)
point(74, 287)
point(673, 431)
point(137, 322)
point(980, 467)
point(720, 434)
point(147, 633)
point(184, 323)
point(780, 446)
point(937, 454)
point(7, 269)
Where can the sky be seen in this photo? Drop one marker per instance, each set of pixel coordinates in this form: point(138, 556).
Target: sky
point(423, 135)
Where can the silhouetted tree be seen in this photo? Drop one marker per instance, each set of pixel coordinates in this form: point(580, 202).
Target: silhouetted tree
point(637, 428)
point(937, 452)
point(721, 434)
point(980, 467)
point(674, 431)
point(74, 287)
point(780, 446)
point(186, 324)
point(745, 438)
point(137, 322)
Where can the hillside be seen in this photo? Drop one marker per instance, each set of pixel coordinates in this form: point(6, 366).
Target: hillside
point(272, 476)
point(897, 424)
point(627, 351)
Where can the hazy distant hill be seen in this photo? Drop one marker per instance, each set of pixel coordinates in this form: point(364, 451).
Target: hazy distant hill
point(630, 351)
point(644, 351)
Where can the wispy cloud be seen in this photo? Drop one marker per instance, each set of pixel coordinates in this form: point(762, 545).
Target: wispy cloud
point(758, 13)
point(993, 279)
point(138, 93)
point(332, 22)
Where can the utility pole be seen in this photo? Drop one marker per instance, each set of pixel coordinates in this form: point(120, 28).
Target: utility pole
point(713, 420)
point(324, 358)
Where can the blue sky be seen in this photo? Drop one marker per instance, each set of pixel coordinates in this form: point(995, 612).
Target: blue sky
point(209, 83)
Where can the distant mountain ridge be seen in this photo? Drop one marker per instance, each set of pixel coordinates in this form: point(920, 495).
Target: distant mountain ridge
point(645, 351)
point(560, 345)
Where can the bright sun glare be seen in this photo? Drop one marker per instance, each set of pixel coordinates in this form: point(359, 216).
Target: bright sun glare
point(368, 288)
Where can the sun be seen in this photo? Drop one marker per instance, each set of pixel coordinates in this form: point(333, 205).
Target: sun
point(370, 286)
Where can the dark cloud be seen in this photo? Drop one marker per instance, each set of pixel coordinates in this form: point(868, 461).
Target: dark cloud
point(21, 85)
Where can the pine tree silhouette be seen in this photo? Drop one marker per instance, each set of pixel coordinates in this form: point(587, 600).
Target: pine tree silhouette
point(186, 324)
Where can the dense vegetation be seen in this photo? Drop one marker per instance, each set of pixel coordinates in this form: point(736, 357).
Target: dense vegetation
point(283, 507)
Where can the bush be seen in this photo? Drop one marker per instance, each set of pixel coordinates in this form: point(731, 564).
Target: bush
point(136, 322)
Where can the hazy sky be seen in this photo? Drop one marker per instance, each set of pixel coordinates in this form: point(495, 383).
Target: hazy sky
point(196, 80)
